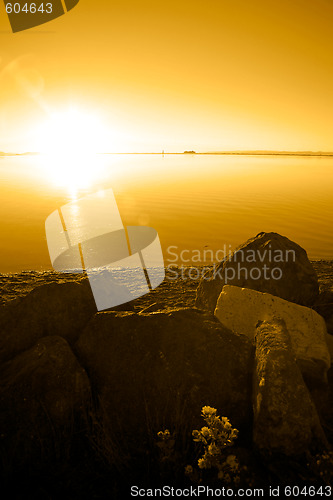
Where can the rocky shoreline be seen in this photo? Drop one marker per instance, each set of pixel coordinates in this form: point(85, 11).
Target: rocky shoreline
point(14, 285)
point(85, 397)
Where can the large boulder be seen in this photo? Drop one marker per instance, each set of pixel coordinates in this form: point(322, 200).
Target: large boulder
point(324, 306)
point(240, 309)
point(44, 396)
point(285, 419)
point(268, 263)
point(52, 309)
point(329, 341)
point(156, 371)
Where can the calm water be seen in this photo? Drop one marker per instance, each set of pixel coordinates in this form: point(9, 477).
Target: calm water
point(193, 201)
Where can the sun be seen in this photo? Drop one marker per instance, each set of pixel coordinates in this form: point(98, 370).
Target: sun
point(70, 132)
point(69, 141)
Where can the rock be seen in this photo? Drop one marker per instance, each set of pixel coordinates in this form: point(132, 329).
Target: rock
point(329, 341)
point(324, 306)
point(285, 419)
point(268, 263)
point(152, 308)
point(44, 392)
point(240, 309)
point(52, 309)
point(156, 371)
point(329, 325)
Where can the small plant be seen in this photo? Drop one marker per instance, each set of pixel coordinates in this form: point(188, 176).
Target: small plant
point(166, 444)
point(169, 457)
point(216, 437)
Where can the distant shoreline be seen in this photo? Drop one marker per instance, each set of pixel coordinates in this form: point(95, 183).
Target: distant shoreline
point(2, 153)
point(215, 153)
point(268, 153)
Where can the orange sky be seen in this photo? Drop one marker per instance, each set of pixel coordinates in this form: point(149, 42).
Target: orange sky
point(213, 75)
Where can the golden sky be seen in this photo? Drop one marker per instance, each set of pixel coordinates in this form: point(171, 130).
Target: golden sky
point(209, 76)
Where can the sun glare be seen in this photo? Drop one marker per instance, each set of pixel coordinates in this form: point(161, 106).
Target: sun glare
point(71, 132)
point(70, 141)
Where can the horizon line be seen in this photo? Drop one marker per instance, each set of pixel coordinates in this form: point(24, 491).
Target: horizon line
point(192, 152)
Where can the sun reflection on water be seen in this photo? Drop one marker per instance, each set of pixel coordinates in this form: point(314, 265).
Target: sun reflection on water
point(74, 172)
